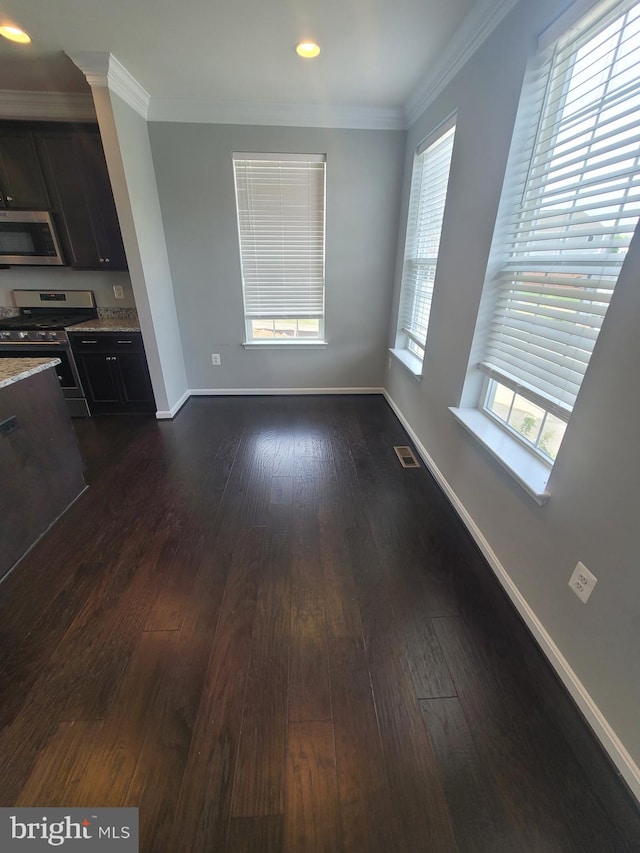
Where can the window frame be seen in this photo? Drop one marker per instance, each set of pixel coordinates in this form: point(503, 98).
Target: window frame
point(316, 218)
point(513, 207)
point(487, 407)
point(410, 343)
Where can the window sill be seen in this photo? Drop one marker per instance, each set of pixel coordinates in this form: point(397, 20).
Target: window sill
point(530, 471)
point(411, 362)
point(280, 344)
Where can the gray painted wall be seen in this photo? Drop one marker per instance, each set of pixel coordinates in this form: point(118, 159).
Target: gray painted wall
point(193, 164)
point(592, 514)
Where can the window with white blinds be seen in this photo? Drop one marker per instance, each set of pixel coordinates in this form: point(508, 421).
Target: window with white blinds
point(424, 226)
point(280, 202)
point(575, 190)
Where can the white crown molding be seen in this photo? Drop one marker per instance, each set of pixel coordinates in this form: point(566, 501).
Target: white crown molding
point(94, 66)
point(284, 115)
point(476, 27)
point(128, 88)
point(103, 70)
point(46, 106)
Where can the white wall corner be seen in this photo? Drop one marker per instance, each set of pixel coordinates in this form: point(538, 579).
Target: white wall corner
point(472, 32)
point(103, 70)
point(601, 727)
point(167, 414)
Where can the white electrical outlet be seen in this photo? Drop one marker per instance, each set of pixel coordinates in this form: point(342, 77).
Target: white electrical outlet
point(582, 582)
point(118, 291)
point(215, 359)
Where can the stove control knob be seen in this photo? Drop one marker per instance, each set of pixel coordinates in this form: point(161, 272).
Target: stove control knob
point(53, 336)
point(5, 335)
point(42, 335)
point(23, 335)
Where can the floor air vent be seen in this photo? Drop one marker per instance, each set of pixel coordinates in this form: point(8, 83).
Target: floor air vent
point(406, 457)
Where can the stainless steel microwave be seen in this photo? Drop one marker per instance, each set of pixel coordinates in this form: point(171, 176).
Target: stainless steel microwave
point(28, 237)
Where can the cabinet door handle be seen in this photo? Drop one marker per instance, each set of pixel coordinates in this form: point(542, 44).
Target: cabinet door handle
point(125, 342)
point(88, 342)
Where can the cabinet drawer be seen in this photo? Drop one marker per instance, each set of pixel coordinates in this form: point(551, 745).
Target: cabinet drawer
point(106, 341)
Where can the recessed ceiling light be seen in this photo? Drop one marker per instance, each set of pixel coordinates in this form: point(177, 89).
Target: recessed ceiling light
point(307, 49)
point(15, 34)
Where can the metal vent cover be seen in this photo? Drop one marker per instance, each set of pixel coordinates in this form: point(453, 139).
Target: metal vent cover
point(406, 457)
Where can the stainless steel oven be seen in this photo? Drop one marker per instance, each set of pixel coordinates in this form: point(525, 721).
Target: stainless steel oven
point(66, 371)
point(38, 331)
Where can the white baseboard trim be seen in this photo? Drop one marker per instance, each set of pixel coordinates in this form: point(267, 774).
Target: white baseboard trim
point(167, 414)
point(162, 414)
point(268, 392)
point(627, 767)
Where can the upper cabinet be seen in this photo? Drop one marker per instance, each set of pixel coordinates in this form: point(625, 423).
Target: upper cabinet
point(22, 185)
point(76, 174)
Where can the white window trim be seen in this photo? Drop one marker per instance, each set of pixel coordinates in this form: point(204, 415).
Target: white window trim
point(278, 343)
point(527, 467)
point(299, 311)
point(403, 334)
point(408, 360)
point(283, 341)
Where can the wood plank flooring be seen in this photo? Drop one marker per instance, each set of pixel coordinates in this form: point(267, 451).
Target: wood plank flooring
point(267, 635)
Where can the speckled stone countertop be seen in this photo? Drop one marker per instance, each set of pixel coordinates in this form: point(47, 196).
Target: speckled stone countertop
point(106, 324)
point(14, 369)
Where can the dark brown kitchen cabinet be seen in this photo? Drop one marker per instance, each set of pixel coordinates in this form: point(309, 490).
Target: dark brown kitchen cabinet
point(76, 174)
point(22, 185)
point(113, 372)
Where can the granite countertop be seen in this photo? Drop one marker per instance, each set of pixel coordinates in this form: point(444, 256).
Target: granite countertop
point(106, 324)
point(14, 369)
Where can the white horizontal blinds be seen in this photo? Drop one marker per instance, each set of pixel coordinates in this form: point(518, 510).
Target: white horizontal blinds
point(424, 226)
point(579, 202)
point(281, 217)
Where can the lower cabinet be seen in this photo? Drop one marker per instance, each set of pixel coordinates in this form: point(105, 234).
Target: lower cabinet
point(113, 371)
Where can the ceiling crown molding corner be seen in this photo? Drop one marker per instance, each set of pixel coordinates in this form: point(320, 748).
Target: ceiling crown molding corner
point(94, 66)
point(103, 70)
point(127, 87)
point(474, 30)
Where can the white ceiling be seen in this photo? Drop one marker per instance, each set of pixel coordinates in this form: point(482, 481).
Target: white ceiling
point(376, 54)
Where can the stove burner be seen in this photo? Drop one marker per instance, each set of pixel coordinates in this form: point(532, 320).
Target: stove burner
point(49, 321)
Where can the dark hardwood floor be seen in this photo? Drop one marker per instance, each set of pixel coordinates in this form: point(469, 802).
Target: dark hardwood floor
point(263, 632)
